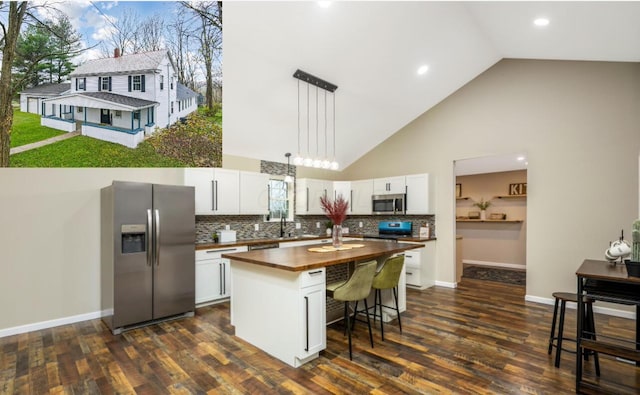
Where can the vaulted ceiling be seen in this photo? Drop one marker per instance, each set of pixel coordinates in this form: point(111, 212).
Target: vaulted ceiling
point(372, 51)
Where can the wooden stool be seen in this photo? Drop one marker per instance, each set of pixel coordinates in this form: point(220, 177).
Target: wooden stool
point(589, 327)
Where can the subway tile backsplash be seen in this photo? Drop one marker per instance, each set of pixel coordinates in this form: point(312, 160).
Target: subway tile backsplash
point(244, 225)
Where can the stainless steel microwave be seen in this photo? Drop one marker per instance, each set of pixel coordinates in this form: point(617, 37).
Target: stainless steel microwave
point(388, 204)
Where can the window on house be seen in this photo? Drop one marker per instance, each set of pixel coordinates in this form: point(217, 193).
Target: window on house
point(171, 82)
point(171, 107)
point(279, 200)
point(105, 83)
point(161, 82)
point(81, 84)
point(136, 115)
point(137, 82)
point(80, 109)
point(118, 114)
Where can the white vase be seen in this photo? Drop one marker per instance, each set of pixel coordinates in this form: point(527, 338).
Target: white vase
point(483, 214)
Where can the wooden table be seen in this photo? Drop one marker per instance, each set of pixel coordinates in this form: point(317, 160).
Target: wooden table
point(601, 280)
point(278, 300)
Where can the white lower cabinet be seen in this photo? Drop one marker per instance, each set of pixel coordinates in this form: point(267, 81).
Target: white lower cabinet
point(280, 312)
point(213, 274)
point(420, 266)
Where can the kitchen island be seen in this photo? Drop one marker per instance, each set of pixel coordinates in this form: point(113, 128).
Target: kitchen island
point(278, 298)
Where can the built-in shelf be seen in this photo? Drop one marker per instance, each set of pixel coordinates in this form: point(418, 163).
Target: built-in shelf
point(510, 197)
point(463, 198)
point(504, 221)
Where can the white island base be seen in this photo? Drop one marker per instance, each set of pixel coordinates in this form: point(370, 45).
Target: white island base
point(281, 312)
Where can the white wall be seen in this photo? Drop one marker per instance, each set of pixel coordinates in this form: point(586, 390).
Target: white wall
point(578, 122)
point(50, 241)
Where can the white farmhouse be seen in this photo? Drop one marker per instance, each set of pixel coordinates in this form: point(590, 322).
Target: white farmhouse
point(121, 99)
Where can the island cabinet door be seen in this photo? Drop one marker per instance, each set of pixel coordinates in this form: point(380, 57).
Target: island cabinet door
point(313, 323)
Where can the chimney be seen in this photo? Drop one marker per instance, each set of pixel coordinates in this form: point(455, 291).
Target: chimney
point(116, 53)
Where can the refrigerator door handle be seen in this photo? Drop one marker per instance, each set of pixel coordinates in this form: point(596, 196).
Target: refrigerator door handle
point(148, 235)
point(157, 238)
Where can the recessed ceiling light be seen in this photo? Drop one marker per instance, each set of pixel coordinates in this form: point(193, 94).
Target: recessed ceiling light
point(521, 158)
point(541, 22)
point(423, 69)
point(324, 4)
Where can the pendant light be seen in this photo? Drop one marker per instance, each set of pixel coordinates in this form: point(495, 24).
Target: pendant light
point(308, 159)
point(287, 178)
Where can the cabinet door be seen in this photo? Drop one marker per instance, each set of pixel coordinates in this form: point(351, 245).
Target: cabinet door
point(313, 314)
point(226, 192)
point(208, 282)
point(254, 197)
point(202, 180)
point(308, 193)
point(361, 192)
point(342, 188)
point(419, 195)
point(382, 186)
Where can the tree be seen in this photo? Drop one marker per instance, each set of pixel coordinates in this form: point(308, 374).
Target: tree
point(180, 35)
point(210, 15)
point(9, 40)
point(64, 43)
point(124, 34)
point(149, 34)
point(33, 45)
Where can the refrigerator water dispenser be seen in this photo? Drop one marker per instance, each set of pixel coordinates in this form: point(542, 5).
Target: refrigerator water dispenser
point(133, 238)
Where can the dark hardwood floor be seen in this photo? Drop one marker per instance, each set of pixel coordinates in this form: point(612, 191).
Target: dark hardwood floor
point(480, 338)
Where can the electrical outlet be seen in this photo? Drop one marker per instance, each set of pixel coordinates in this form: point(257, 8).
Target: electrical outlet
point(317, 225)
point(360, 224)
point(298, 225)
point(256, 227)
point(227, 227)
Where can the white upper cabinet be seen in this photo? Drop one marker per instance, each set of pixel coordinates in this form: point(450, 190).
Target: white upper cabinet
point(254, 193)
point(216, 190)
point(308, 194)
point(342, 188)
point(420, 194)
point(388, 185)
point(361, 192)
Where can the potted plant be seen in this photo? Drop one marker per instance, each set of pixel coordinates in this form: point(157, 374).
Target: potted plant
point(483, 205)
point(336, 211)
point(328, 226)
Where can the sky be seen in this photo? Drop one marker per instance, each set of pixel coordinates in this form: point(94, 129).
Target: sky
point(91, 18)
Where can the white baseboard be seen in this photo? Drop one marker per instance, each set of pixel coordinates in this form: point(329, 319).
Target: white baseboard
point(596, 309)
point(446, 284)
point(494, 264)
point(16, 330)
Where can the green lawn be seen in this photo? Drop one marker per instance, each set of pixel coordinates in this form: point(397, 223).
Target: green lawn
point(82, 151)
point(27, 129)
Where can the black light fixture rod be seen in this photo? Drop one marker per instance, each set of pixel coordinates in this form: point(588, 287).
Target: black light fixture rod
point(313, 80)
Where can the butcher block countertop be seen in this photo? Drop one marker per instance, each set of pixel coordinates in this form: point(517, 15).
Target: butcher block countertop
point(297, 259)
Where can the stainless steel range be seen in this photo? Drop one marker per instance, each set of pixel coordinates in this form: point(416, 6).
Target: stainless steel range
point(392, 230)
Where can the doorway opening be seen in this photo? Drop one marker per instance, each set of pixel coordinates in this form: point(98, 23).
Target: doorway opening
point(491, 214)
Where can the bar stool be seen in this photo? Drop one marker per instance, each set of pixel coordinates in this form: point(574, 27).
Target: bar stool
point(356, 288)
point(589, 327)
point(387, 278)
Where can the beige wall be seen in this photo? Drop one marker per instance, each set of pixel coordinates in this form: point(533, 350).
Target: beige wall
point(579, 123)
point(503, 243)
point(50, 239)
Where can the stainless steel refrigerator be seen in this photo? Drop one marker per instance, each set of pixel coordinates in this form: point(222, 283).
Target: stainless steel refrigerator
point(147, 252)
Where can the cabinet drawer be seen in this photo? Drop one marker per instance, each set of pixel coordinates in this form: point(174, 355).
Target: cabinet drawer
point(217, 253)
point(312, 277)
point(412, 258)
point(413, 276)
